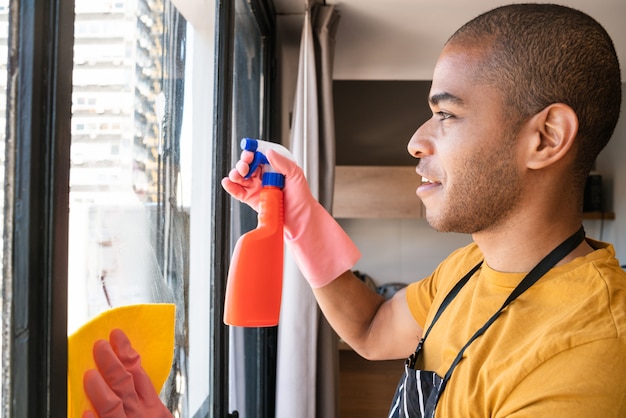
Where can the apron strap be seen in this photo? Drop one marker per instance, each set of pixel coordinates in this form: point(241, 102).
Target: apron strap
point(451, 295)
point(411, 361)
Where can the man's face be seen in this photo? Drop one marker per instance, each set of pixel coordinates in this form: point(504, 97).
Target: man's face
point(467, 151)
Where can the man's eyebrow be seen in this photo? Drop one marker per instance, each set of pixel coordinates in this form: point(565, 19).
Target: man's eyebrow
point(444, 97)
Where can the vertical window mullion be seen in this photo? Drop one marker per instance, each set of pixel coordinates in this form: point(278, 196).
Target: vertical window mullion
point(38, 138)
point(220, 251)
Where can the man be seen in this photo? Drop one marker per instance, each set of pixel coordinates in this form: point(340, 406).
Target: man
point(530, 319)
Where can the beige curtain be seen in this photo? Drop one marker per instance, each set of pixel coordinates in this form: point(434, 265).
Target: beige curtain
point(307, 347)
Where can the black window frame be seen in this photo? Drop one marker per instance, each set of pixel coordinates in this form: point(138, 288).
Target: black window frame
point(260, 343)
point(39, 89)
point(220, 254)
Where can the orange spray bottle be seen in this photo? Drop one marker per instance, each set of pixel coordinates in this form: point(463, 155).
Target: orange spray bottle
point(255, 277)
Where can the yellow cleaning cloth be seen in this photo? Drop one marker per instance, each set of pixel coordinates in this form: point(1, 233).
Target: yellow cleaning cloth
point(150, 329)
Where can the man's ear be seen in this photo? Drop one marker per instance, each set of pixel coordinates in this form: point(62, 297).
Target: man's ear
point(552, 134)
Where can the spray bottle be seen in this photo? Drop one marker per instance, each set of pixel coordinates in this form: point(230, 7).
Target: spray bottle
point(255, 277)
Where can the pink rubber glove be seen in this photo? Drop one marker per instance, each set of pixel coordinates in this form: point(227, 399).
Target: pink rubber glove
point(120, 387)
point(320, 247)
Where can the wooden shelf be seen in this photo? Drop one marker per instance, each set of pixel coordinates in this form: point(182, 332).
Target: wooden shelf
point(599, 215)
point(387, 192)
point(376, 192)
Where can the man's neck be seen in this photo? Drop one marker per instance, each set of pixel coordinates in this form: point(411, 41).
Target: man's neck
point(520, 247)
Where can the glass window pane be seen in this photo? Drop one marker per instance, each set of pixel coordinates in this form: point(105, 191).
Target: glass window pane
point(130, 176)
point(248, 75)
point(252, 350)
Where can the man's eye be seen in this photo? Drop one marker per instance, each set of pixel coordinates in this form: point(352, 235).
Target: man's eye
point(443, 115)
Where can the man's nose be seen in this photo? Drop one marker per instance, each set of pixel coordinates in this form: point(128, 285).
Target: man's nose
point(420, 143)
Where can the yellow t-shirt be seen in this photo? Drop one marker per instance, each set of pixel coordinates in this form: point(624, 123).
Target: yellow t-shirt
point(559, 350)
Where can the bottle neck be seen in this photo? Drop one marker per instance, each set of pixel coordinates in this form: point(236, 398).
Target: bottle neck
point(271, 207)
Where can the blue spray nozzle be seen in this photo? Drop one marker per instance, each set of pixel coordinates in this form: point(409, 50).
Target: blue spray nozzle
point(249, 144)
point(271, 178)
point(258, 147)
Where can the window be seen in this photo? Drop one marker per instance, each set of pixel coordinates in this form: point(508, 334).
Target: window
point(126, 138)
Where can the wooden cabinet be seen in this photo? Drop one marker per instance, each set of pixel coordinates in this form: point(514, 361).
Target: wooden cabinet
point(366, 388)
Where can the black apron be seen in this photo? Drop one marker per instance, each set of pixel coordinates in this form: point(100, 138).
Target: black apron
point(419, 391)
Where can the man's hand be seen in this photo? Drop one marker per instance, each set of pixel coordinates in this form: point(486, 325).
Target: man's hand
point(120, 388)
point(321, 249)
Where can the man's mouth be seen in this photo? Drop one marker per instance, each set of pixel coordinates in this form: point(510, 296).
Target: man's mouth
point(427, 184)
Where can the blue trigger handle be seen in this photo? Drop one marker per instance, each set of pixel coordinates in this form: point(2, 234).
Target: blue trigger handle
point(249, 144)
point(259, 158)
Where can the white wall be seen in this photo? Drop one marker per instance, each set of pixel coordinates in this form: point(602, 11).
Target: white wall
point(401, 39)
point(611, 164)
point(400, 250)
